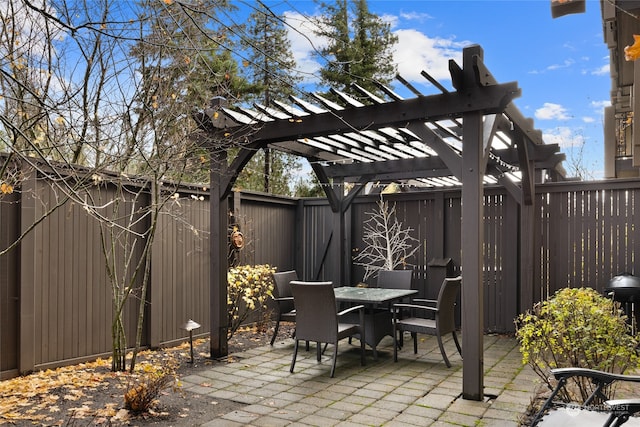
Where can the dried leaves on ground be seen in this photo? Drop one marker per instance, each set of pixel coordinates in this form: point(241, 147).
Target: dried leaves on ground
point(90, 394)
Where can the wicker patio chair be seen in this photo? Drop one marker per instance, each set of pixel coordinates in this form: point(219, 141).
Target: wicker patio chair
point(395, 279)
point(283, 307)
point(433, 317)
point(317, 319)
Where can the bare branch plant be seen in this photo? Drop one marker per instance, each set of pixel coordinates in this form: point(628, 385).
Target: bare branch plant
point(388, 244)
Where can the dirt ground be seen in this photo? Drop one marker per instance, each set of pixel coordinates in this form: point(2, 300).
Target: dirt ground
point(90, 394)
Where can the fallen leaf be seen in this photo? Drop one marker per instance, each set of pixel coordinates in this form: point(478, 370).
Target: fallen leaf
point(122, 415)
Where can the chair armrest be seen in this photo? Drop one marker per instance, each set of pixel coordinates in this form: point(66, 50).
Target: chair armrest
point(283, 299)
point(360, 309)
point(350, 309)
point(398, 307)
point(624, 406)
point(416, 306)
point(600, 376)
point(428, 301)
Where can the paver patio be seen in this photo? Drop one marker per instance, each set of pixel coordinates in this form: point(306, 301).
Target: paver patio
point(418, 390)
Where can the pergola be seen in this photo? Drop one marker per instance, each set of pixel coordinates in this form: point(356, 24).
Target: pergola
point(470, 137)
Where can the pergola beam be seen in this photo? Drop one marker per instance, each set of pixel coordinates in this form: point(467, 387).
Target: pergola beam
point(490, 99)
point(449, 156)
point(388, 167)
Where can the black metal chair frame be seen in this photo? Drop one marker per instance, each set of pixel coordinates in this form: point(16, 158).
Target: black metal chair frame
point(619, 410)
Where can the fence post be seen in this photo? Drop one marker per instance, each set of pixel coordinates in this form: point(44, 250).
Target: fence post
point(28, 271)
point(154, 290)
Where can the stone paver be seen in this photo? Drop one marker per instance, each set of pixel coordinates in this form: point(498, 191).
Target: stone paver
point(418, 390)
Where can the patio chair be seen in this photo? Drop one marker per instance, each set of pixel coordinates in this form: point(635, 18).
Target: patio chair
point(442, 321)
point(317, 319)
point(395, 279)
point(596, 409)
point(284, 308)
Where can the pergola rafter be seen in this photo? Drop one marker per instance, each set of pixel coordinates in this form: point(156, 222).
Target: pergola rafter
point(470, 137)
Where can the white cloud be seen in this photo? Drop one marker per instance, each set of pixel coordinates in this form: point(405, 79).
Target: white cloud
point(553, 67)
point(416, 52)
point(587, 119)
point(563, 136)
point(304, 42)
point(599, 105)
point(392, 20)
point(566, 64)
point(415, 16)
point(550, 111)
point(602, 71)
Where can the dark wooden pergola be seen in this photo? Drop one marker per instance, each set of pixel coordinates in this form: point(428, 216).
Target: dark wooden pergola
point(470, 137)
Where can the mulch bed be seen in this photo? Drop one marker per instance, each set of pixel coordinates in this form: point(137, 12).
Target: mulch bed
point(90, 394)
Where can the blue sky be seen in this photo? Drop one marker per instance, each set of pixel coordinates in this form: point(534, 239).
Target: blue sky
point(561, 65)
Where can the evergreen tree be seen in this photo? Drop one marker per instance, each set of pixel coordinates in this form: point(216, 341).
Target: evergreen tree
point(270, 64)
point(185, 60)
point(359, 49)
point(283, 167)
point(309, 188)
point(271, 68)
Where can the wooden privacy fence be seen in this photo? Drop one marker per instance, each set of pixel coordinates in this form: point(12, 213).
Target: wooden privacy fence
point(588, 234)
point(55, 296)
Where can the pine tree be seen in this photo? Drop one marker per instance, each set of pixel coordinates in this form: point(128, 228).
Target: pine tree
point(308, 188)
point(271, 67)
point(359, 47)
point(185, 61)
point(283, 167)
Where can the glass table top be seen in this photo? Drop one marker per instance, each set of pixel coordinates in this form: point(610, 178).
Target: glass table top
point(371, 295)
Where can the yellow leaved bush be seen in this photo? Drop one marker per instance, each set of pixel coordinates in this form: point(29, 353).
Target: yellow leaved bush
point(631, 53)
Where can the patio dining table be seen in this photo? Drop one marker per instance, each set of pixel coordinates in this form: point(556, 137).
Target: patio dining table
point(378, 323)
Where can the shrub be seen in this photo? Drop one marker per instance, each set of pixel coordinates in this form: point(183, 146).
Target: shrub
point(577, 327)
point(141, 393)
point(250, 288)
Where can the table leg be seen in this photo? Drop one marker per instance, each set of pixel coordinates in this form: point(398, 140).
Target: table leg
point(378, 324)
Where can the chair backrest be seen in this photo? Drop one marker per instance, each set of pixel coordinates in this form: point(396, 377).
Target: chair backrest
point(282, 288)
point(394, 279)
point(316, 313)
point(447, 303)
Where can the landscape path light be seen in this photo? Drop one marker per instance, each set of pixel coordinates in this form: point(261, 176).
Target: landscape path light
point(190, 326)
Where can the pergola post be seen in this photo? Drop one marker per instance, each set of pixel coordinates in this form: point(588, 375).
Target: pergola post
point(338, 275)
point(218, 244)
point(473, 169)
point(527, 256)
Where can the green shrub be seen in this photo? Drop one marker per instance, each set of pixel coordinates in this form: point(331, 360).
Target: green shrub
point(577, 327)
point(250, 287)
